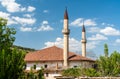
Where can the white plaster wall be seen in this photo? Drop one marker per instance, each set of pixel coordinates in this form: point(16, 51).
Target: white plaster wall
point(60, 64)
point(85, 64)
point(74, 63)
point(42, 64)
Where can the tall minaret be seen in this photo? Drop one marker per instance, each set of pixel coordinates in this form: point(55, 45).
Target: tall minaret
point(66, 32)
point(83, 41)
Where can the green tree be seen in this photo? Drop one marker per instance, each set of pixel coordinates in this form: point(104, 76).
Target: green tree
point(41, 74)
point(16, 63)
point(106, 50)
point(74, 72)
point(91, 72)
point(109, 65)
point(6, 35)
point(115, 63)
point(11, 60)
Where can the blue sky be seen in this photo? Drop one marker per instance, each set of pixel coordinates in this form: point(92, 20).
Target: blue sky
point(39, 23)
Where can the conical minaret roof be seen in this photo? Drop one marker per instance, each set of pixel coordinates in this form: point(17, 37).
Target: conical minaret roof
point(83, 28)
point(66, 14)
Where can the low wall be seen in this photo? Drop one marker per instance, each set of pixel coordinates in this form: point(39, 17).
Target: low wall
point(83, 78)
point(98, 78)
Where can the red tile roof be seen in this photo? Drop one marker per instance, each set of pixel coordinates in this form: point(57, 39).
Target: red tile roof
point(52, 54)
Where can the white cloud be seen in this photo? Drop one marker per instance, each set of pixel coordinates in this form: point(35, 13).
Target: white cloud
point(25, 29)
point(24, 21)
point(89, 22)
point(92, 44)
point(45, 11)
point(79, 22)
point(4, 15)
point(27, 15)
point(105, 24)
point(74, 45)
point(110, 31)
point(31, 8)
point(97, 37)
point(7, 16)
point(12, 6)
point(117, 40)
point(93, 29)
point(18, 20)
point(11, 21)
point(45, 27)
point(44, 22)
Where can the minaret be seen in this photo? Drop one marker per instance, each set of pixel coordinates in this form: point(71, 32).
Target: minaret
point(83, 41)
point(65, 32)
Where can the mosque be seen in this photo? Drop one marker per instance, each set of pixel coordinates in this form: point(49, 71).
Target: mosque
point(54, 59)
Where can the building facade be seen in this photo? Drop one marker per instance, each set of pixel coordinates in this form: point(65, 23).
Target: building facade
point(54, 59)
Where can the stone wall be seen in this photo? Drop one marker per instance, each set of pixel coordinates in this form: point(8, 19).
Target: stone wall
point(98, 78)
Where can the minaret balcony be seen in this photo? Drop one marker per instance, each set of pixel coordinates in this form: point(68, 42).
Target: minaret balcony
point(66, 31)
point(83, 41)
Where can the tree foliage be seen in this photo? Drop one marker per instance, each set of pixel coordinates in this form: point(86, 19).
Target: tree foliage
point(33, 74)
point(74, 72)
point(91, 72)
point(11, 59)
point(109, 65)
point(12, 64)
point(6, 35)
point(106, 50)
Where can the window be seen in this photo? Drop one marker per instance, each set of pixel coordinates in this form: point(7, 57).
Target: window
point(45, 65)
point(34, 66)
point(75, 66)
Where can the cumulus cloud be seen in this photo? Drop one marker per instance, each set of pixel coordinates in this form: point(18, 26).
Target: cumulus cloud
point(4, 15)
point(87, 22)
point(26, 29)
point(31, 8)
point(92, 44)
point(7, 16)
point(94, 29)
point(74, 45)
point(27, 15)
point(11, 21)
point(97, 37)
point(13, 6)
point(110, 31)
point(24, 21)
point(44, 22)
point(45, 27)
